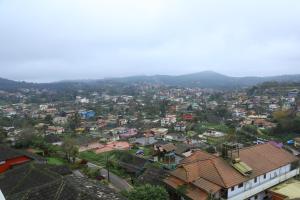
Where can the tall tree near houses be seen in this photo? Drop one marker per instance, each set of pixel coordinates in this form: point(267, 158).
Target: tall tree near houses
point(147, 192)
point(74, 122)
point(70, 149)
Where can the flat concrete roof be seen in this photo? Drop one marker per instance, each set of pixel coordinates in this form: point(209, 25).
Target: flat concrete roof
point(290, 189)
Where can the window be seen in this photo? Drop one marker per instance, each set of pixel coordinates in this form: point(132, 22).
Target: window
point(255, 180)
point(265, 176)
point(241, 185)
point(232, 189)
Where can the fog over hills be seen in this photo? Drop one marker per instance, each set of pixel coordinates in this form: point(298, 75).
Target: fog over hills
point(205, 79)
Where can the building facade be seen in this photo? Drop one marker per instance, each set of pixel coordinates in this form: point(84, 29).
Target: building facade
point(247, 173)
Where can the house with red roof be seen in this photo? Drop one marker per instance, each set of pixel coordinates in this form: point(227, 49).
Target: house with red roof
point(238, 174)
point(10, 157)
point(187, 116)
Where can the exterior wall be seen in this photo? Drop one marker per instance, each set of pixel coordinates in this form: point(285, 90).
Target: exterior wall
point(264, 184)
point(251, 184)
point(259, 196)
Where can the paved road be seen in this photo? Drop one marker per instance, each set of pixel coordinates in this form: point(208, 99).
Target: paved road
point(119, 183)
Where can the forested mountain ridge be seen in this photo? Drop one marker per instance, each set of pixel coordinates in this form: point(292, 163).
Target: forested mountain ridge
point(205, 79)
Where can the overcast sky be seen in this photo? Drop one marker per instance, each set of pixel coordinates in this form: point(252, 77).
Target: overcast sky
point(48, 40)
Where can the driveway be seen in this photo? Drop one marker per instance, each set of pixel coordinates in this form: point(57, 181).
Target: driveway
point(118, 182)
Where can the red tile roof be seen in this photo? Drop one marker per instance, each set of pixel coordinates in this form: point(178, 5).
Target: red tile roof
point(211, 173)
point(265, 157)
point(196, 194)
point(192, 192)
point(207, 186)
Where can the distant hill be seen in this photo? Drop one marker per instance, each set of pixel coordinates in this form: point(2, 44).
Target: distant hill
point(208, 79)
point(6, 84)
point(205, 79)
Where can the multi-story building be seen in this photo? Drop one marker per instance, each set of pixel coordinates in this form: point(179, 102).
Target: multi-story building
point(247, 173)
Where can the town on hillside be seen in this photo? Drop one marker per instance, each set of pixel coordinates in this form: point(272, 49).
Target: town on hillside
point(150, 141)
point(149, 99)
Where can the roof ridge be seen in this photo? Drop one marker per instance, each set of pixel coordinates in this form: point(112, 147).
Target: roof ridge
point(195, 161)
point(253, 146)
point(22, 179)
point(46, 171)
point(210, 181)
point(59, 190)
point(202, 159)
point(218, 173)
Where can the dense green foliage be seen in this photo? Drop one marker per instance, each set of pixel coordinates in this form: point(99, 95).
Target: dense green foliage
point(206, 79)
point(147, 192)
point(287, 121)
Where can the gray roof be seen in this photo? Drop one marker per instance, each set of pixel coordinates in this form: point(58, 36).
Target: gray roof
point(8, 153)
point(40, 181)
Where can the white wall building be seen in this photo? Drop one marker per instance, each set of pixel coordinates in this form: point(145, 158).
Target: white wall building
point(247, 173)
point(254, 189)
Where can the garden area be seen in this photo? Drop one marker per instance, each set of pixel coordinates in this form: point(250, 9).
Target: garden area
point(56, 161)
point(204, 126)
point(106, 160)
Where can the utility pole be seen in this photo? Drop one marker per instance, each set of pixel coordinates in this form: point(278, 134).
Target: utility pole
point(107, 166)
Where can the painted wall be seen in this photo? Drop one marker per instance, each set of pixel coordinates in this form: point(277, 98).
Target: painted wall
point(260, 180)
point(265, 185)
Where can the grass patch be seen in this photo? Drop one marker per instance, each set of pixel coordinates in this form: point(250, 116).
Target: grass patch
point(56, 161)
point(283, 137)
point(202, 127)
point(147, 151)
point(100, 159)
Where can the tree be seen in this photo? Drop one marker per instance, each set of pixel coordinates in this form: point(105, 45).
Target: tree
point(70, 149)
point(147, 192)
point(2, 135)
point(279, 115)
point(109, 163)
point(25, 138)
point(48, 119)
point(163, 108)
point(74, 122)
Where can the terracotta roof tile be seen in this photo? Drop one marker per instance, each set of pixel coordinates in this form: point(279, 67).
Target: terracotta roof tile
point(198, 155)
point(207, 186)
point(168, 147)
point(173, 182)
point(265, 157)
point(261, 158)
point(196, 194)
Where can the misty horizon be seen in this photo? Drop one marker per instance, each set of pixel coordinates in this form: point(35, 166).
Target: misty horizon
point(143, 75)
point(47, 41)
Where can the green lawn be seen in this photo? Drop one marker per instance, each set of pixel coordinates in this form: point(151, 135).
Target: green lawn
point(218, 127)
point(283, 137)
point(55, 161)
point(100, 159)
point(147, 151)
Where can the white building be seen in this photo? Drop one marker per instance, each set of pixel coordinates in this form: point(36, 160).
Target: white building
point(168, 120)
point(239, 174)
point(213, 134)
